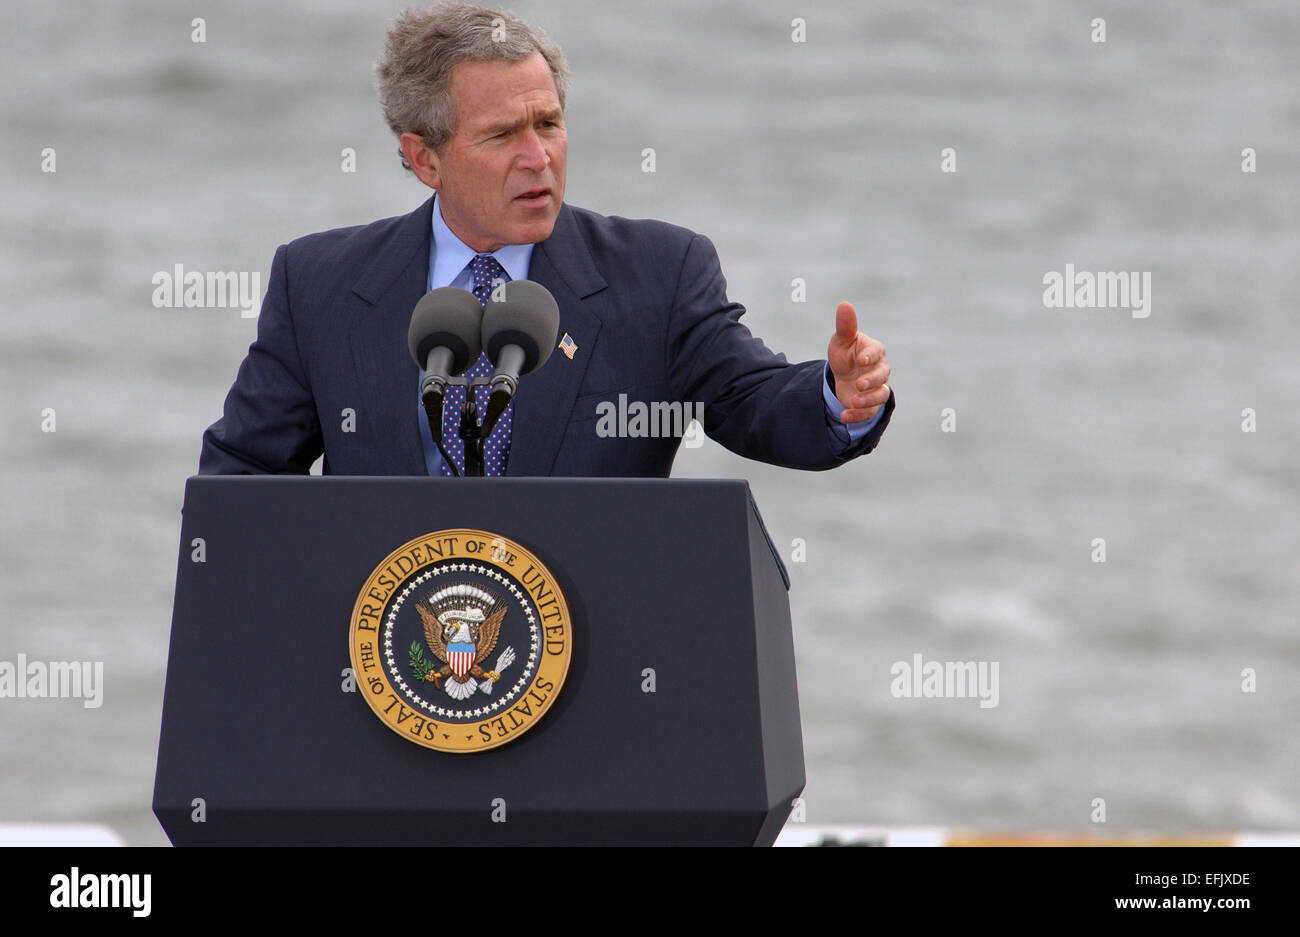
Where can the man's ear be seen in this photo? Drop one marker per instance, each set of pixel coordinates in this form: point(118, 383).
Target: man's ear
point(423, 160)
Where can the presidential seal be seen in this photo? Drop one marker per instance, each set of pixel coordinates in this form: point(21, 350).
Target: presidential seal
point(460, 640)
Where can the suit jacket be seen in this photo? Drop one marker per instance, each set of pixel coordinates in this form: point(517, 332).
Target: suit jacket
point(644, 301)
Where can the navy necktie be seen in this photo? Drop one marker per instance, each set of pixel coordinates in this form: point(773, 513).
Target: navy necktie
point(496, 448)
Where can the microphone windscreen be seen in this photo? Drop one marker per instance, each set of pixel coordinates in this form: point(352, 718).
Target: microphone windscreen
point(526, 316)
point(450, 317)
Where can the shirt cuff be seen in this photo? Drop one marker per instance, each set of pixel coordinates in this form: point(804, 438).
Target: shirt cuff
point(846, 433)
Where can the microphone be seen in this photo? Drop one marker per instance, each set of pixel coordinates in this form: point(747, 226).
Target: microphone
point(518, 335)
point(444, 338)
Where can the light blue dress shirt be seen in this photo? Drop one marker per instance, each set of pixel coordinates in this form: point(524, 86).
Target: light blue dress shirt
point(449, 259)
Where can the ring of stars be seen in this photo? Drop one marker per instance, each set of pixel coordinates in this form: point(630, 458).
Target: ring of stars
point(529, 665)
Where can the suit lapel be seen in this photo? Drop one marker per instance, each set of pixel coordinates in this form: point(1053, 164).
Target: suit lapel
point(382, 300)
point(563, 264)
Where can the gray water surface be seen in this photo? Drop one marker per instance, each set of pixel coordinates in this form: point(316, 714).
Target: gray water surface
point(1119, 680)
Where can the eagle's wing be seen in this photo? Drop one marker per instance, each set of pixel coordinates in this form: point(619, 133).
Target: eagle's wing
point(489, 631)
point(433, 633)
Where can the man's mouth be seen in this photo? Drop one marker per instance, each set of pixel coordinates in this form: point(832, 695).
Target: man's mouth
point(536, 196)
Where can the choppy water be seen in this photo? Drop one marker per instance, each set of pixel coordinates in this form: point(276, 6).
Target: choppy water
point(819, 160)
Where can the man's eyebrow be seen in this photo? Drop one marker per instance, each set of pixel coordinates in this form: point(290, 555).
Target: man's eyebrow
point(502, 126)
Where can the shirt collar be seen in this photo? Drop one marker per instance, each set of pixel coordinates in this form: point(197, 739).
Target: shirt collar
point(451, 255)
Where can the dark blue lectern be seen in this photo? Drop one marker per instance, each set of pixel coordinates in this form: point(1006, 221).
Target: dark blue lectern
point(672, 586)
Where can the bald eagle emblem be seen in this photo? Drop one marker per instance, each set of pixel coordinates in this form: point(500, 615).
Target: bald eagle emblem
point(462, 622)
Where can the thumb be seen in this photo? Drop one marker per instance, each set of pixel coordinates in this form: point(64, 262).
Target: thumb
point(846, 323)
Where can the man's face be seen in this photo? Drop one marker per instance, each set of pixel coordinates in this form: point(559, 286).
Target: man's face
point(500, 177)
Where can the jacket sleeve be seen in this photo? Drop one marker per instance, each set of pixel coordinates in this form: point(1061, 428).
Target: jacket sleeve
point(756, 403)
point(269, 425)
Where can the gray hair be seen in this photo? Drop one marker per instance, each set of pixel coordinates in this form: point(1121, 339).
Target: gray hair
point(424, 46)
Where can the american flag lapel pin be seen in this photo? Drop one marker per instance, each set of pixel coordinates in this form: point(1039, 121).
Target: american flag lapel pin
point(568, 346)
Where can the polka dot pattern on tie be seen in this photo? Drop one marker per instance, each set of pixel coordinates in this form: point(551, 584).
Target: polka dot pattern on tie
point(496, 448)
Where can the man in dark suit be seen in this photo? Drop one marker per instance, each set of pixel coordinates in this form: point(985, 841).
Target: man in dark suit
point(476, 98)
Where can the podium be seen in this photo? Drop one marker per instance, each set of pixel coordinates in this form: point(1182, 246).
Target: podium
point(677, 722)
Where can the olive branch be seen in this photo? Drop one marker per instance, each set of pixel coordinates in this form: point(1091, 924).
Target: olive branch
point(419, 663)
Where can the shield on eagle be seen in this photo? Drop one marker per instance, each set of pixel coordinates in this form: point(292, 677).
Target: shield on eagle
point(461, 658)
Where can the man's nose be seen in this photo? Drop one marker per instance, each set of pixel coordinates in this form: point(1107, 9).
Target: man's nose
point(532, 154)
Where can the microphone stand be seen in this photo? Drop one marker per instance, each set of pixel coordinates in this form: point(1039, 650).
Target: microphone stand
point(469, 437)
point(471, 434)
